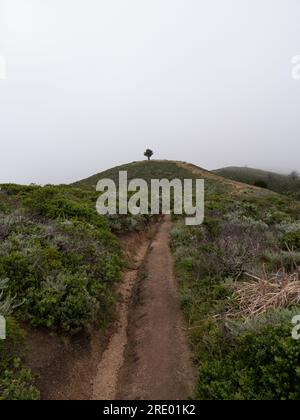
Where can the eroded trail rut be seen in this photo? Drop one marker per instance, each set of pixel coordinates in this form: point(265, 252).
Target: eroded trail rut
point(148, 356)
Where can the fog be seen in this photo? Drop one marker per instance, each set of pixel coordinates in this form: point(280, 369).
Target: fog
point(91, 84)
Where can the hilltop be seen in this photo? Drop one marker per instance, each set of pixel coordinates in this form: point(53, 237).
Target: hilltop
point(158, 169)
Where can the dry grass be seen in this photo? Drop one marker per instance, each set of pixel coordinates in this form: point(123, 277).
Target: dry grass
point(262, 293)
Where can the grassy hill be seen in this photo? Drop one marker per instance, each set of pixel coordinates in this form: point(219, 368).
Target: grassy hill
point(158, 169)
point(144, 169)
point(279, 183)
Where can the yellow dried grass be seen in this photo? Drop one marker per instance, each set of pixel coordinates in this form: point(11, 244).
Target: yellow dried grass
point(264, 292)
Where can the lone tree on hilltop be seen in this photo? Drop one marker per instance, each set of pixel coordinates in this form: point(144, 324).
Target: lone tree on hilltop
point(149, 153)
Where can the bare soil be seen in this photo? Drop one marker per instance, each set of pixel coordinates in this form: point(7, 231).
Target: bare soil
point(106, 380)
point(158, 363)
point(64, 366)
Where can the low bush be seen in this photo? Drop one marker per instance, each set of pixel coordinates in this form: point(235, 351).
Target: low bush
point(255, 365)
point(242, 346)
point(276, 260)
point(61, 274)
point(291, 240)
point(16, 381)
point(260, 183)
point(59, 256)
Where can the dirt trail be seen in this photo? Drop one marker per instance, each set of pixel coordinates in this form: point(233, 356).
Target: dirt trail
point(105, 383)
point(148, 357)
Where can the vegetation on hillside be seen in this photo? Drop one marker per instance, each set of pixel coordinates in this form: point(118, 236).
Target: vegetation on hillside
point(281, 184)
point(238, 275)
point(239, 287)
point(154, 169)
point(16, 381)
point(59, 262)
point(59, 257)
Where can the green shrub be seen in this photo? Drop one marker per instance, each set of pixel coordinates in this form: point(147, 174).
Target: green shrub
point(66, 284)
point(256, 365)
point(71, 302)
point(17, 384)
point(212, 226)
point(289, 226)
point(260, 183)
point(57, 203)
point(281, 259)
point(61, 259)
point(16, 381)
point(250, 360)
point(291, 240)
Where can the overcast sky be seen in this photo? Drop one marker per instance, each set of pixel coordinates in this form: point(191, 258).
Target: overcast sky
point(92, 83)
